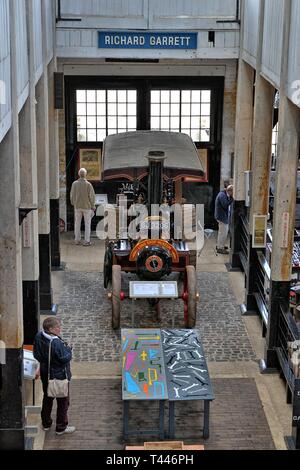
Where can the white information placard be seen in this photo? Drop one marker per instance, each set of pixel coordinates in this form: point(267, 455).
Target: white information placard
point(150, 289)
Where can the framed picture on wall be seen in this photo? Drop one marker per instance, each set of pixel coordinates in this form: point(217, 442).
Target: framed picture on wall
point(259, 233)
point(203, 157)
point(90, 159)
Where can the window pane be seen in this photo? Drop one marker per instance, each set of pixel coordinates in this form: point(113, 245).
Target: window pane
point(111, 131)
point(205, 121)
point(205, 96)
point(185, 131)
point(175, 96)
point(111, 108)
point(165, 96)
point(131, 109)
point(122, 96)
point(195, 134)
point(195, 122)
point(174, 129)
point(101, 108)
point(91, 109)
point(175, 109)
point(101, 121)
point(185, 109)
point(120, 130)
point(205, 135)
point(185, 96)
point(185, 122)
point(165, 122)
point(155, 109)
point(165, 110)
point(154, 122)
point(91, 122)
point(205, 109)
point(131, 122)
point(91, 135)
point(155, 96)
point(196, 96)
point(122, 122)
point(111, 95)
point(81, 108)
point(101, 134)
point(91, 96)
point(80, 96)
point(174, 122)
point(122, 109)
point(101, 96)
point(131, 96)
point(195, 111)
point(81, 135)
point(111, 121)
point(81, 122)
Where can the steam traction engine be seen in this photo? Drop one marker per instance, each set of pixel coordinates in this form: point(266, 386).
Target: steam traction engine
point(155, 163)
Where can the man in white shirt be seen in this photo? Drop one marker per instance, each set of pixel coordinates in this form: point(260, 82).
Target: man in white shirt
point(83, 199)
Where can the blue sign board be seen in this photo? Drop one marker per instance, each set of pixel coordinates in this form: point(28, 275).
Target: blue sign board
point(138, 40)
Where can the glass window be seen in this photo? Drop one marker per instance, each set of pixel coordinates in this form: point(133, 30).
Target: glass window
point(103, 112)
point(185, 111)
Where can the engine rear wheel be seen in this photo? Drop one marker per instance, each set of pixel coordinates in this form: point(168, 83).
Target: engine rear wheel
point(116, 301)
point(190, 321)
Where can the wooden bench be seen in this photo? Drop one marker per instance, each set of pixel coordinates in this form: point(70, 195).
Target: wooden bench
point(165, 445)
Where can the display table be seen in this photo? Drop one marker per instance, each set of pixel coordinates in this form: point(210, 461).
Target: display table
point(161, 365)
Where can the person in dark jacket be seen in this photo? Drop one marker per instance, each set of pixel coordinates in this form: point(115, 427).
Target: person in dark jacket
point(61, 355)
point(222, 214)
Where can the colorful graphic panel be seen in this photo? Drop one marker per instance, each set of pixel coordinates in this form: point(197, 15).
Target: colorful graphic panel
point(143, 371)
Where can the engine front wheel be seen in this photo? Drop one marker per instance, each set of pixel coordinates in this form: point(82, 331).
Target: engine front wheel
point(116, 301)
point(191, 304)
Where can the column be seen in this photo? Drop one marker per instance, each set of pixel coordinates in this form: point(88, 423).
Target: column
point(11, 313)
point(29, 197)
point(243, 132)
point(283, 219)
point(260, 165)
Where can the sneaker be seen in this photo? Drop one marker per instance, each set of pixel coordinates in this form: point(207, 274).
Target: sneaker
point(77, 243)
point(222, 251)
point(46, 429)
point(68, 430)
point(86, 243)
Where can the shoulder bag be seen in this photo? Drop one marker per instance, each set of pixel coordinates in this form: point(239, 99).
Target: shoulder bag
point(57, 388)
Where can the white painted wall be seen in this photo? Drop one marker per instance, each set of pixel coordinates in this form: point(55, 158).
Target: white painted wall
point(5, 91)
point(38, 44)
point(22, 55)
point(250, 31)
point(272, 41)
point(50, 15)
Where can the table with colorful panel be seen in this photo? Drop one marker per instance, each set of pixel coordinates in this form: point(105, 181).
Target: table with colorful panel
point(164, 365)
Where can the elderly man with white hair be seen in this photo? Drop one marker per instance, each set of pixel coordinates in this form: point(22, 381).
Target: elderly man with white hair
point(83, 199)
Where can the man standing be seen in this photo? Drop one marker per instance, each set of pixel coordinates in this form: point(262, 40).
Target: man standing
point(222, 214)
point(83, 199)
point(61, 355)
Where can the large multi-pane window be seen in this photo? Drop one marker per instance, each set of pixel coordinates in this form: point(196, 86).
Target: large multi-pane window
point(185, 111)
point(103, 112)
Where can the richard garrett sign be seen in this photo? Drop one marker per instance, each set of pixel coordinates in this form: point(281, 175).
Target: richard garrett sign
point(138, 40)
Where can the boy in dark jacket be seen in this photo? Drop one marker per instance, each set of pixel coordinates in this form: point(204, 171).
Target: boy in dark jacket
point(61, 355)
point(223, 201)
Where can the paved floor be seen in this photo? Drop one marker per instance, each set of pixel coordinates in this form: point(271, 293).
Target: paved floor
point(249, 411)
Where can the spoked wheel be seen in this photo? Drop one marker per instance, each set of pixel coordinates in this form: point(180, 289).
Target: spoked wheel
point(116, 301)
point(191, 301)
point(107, 267)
